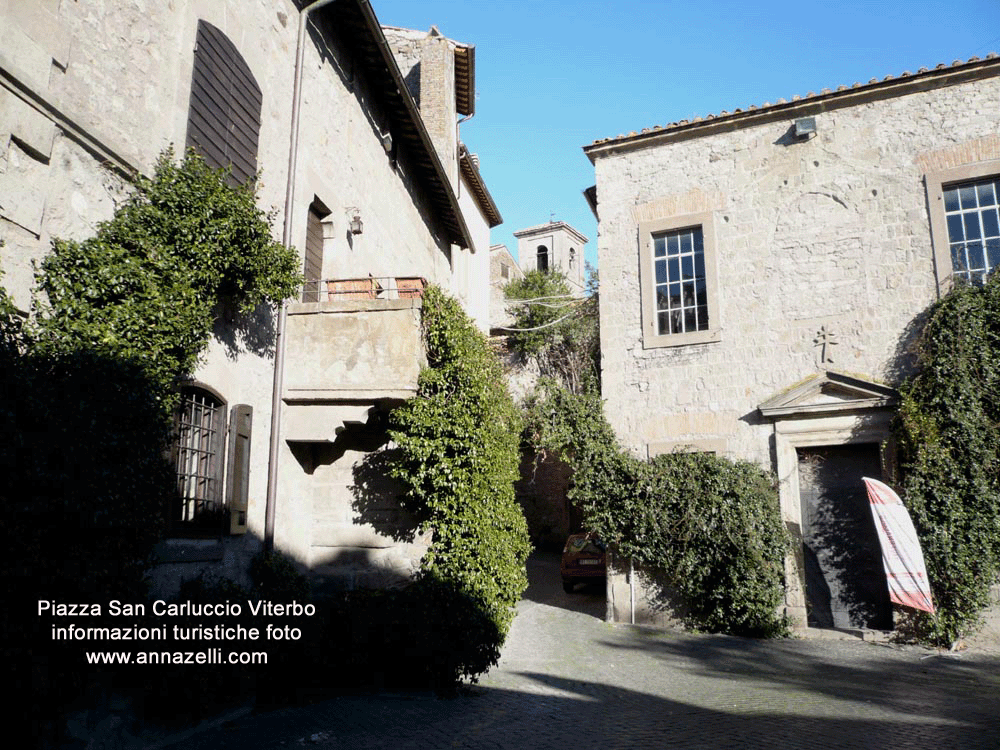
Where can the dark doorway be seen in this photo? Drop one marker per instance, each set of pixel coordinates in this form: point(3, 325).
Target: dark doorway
point(845, 581)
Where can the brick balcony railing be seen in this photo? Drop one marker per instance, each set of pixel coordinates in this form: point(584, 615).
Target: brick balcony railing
point(370, 287)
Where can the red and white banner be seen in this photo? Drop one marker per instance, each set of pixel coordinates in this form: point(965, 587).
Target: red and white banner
point(901, 555)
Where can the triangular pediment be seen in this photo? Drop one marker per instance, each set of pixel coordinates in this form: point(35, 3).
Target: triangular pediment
point(829, 392)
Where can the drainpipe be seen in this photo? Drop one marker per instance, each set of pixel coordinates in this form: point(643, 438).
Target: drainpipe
point(286, 239)
point(631, 588)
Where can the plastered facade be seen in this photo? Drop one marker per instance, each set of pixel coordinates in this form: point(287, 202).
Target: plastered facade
point(823, 261)
point(92, 91)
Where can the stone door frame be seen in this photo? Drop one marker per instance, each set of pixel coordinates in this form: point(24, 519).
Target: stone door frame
point(828, 409)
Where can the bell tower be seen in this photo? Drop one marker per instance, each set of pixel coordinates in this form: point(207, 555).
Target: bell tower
point(550, 246)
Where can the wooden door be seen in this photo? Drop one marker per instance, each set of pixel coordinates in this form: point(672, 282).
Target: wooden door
point(845, 580)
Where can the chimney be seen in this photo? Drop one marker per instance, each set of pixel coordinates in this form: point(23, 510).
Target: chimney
point(437, 98)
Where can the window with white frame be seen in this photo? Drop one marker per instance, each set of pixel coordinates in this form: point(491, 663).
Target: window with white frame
point(677, 270)
point(965, 221)
point(681, 293)
point(971, 214)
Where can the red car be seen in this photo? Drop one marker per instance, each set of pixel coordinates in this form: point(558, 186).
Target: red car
point(584, 558)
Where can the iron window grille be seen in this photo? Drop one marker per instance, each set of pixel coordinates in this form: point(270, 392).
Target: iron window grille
point(200, 432)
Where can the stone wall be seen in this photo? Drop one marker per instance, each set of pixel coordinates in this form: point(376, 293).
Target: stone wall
point(829, 234)
point(823, 260)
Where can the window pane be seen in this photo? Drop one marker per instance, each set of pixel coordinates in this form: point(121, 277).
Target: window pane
point(955, 230)
point(661, 272)
point(672, 245)
point(702, 294)
point(702, 318)
point(686, 242)
point(663, 323)
point(699, 265)
point(972, 226)
point(687, 267)
point(689, 294)
point(990, 224)
point(662, 301)
point(986, 194)
point(967, 196)
point(993, 253)
point(659, 247)
point(975, 253)
point(951, 199)
point(672, 269)
point(958, 257)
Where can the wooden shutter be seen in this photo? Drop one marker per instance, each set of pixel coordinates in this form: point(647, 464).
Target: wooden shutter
point(224, 112)
point(237, 497)
point(313, 270)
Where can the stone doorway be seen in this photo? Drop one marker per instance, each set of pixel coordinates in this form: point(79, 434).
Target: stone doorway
point(845, 583)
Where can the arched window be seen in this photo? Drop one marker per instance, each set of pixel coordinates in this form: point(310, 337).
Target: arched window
point(201, 430)
point(224, 112)
point(542, 257)
point(204, 505)
point(572, 257)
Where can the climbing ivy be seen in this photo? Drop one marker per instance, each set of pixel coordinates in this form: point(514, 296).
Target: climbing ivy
point(948, 430)
point(708, 528)
point(184, 247)
point(87, 383)
point(457, 458)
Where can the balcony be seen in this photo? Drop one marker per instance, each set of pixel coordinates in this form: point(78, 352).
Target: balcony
point(370, 287)
point(354, 344)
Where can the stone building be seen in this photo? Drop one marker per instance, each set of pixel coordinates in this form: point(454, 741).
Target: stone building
point(376, 191)
point(503, 270)
point(555, 245)
point(761, 274)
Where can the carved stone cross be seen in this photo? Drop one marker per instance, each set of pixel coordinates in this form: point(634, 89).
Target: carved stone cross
point(824, 340)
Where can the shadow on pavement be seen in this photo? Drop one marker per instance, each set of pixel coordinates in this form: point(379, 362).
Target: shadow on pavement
point(545, 587)
point(556, 710)
point(934, 685)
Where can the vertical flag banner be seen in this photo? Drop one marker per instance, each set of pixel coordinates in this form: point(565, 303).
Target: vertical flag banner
point(901, 555)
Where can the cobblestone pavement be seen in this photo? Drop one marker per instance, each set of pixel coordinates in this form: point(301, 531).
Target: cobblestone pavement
point(567, 678)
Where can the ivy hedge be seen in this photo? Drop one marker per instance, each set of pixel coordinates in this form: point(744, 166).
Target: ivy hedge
point(457, 458)
point(709, 528)
point(948, 432)
point(87, 386)
point(184, 248)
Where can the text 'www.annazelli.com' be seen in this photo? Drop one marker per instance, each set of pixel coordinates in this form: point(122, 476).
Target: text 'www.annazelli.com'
point(208, 656)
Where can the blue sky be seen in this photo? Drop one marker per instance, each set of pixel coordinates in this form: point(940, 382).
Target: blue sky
point(554, 76)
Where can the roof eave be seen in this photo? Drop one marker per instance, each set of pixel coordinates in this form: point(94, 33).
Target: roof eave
point(843, 97)
point(465, 79)
point(399, 102)
point(479, 190)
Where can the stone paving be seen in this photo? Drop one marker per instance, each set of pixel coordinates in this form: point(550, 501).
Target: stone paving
point(567, 678)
